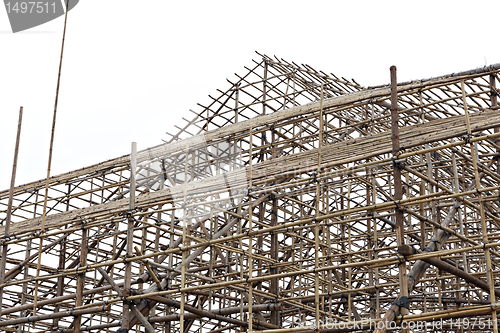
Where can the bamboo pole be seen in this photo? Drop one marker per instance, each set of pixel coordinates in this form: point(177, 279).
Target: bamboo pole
point(398, 193)
point(80, 283)
point(34, 319)
point(317, 209)
point(494, 105)
point(274, 284)
point(210, 314)
point(130, 236)
point(484, 229)
point(5, 247)
point(50, 160)
point(250, 240)
point(223, 312)
point(184, 237)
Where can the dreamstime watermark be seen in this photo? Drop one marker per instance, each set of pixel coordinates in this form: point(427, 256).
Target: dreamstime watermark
point(25, 14)
point(413, 326)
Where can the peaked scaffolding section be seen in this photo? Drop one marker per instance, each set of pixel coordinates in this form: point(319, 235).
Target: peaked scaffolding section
point(295, 201)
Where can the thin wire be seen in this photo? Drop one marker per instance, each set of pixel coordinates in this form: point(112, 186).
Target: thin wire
point(49, 162)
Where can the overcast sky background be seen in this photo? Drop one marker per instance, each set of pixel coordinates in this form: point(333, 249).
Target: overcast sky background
point(132, 69)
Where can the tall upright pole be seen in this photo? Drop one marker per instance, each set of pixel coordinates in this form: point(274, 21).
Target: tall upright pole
point(398, 190)
point(274, 283)
point(39, 263)
point(316, 222)
point(9, 206)
point(80, 279)
point(484, 227)
point(494, 105)
point(130, 238)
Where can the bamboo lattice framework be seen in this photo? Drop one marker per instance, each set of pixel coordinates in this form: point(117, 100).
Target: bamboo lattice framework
point(273, 209)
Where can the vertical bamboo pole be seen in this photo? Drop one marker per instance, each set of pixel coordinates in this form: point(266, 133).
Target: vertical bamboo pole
point(25, 278)
point(236, 100)
point(264, 88)
point(62, 261)
point(285, 96)
point(369, 228)
point(398, 190)
point(349, 252)
point(316, 265)
point(210, 266)
point(494, 104)
point(168, 326)
point(301, 257)
point(5, 247)
point(264, 96)
point(159, 214)
point(316, 223)
point(423, 234)
point(273, 284)
point(130, 236)
point(250, 239)
point(40, 246)
point(158, 219)
point(375, 241)
point(80, 280)
point(439, 288)
point(372, 122)
point(241, 257)
point(329, 261)
point(489, 270)
point(184, 238)
point(115, 241)
point(456, 186)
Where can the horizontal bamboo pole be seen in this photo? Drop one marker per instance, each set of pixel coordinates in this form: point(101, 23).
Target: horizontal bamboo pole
point(222, 312)
point(364, 324)
point(401, 156)
point(208, 314)
point(58, 299)
point(376, 207)
point(32, 319)
point(91, 328)
point(368, 263)
point(255, 123)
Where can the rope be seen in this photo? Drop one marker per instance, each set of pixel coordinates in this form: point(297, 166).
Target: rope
point(467, 138)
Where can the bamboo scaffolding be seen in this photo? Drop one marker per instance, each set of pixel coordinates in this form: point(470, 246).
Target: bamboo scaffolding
point(294, 200)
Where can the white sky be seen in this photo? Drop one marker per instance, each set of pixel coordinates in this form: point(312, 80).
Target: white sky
point(132, 69)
